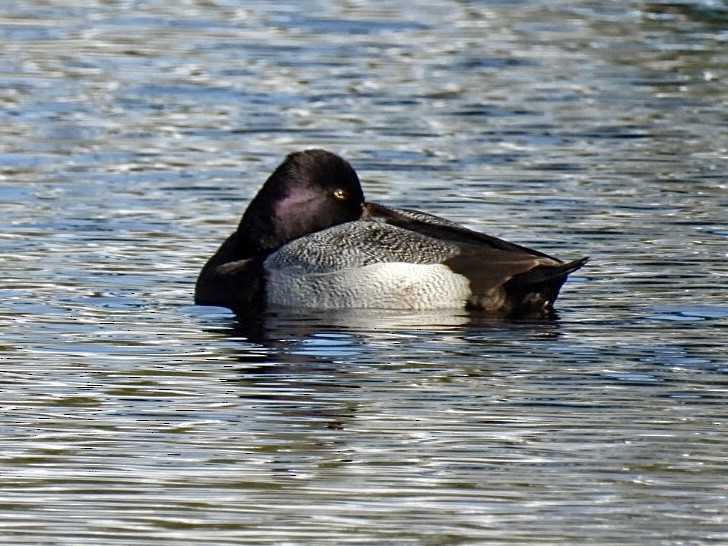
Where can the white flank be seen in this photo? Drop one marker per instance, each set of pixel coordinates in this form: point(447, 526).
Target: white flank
point(392, 285)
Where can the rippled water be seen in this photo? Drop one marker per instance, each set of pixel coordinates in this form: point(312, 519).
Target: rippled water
point(133, 133)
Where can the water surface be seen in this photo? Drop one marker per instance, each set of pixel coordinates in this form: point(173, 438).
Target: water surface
point(132, 135)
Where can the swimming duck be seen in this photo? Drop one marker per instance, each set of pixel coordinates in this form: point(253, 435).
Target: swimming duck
point(309, 239)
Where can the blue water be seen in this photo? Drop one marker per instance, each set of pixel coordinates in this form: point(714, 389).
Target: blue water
point(132, 135)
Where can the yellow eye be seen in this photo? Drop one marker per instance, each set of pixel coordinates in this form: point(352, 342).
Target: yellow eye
point(340, 194)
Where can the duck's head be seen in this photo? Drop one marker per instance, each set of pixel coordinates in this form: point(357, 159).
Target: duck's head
point(310, 191)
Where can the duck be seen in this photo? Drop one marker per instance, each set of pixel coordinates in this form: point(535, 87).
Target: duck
point(309, 239)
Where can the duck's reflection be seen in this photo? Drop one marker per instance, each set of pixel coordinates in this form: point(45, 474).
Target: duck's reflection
point(300, 341)
point(306, 379)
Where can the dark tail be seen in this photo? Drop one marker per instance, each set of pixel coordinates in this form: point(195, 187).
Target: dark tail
point(535, 291)
point(547, 274)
